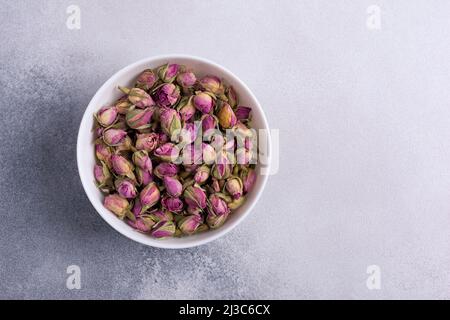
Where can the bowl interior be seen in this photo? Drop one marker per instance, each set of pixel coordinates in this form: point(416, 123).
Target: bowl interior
point(109, 93)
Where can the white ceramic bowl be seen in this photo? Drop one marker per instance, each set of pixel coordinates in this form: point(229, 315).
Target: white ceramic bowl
point(108, 93)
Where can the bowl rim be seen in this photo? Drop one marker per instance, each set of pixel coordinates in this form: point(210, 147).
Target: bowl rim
point(224, 229)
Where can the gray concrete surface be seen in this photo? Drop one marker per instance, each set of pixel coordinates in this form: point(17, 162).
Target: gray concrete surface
point(364, 119)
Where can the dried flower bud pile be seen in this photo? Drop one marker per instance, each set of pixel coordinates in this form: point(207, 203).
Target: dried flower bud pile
point(175, 154)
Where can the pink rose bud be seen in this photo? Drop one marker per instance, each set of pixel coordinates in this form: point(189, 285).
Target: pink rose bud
point(147, 141)
point(116, 204)
point(167, 95)
point(195, 197)
point(167, 152)
point(149, 196)
point(186, 79)
point(114, 137)
point(166, 169)
point(235, 187)
point(137, 208)
point(164, 229)
point(123, 105)
point(209, 154)
point(138, 97)
point(103, 153)
point(146, 80)
point(216, 221)
point(248, 177)
point(232, 97)
point(143, 176)
point(173, 186)
point(139, 119)
point(102, 174)
point(227, 118)
point(142, 160)
point(126, 188)
point(186, 108)
point(194, 211)
point(188, 133)
point(142, 224)
point(107, 116)
point(189, 224)
point(203, 102)
point(172, 204)
point(244, 156)
point(223, 167)
point(170, 123)
point(215, 185)
point(212, 84)
point(218, 212)
point(161, 215)
point(167, 73)
point(209, 122)
point(122, 166)
point(202, 174)
point(243, 113)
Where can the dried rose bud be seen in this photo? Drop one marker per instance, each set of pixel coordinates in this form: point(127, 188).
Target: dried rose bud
point(248, 177)
point(194, 211)
point(223, 167)
point(203, 102)
point(234, 187)
point(218, 212)
point(195, 197)
point(167, 152)
point(142, 224)
point(172, 204)
point(188, 133)
point(212, 84)
point(167, 95)
point(126, 188)
point(143, 177)
point(139, 119)
point(103, 152)
point(191, 155)
point(138, 97)
point(244, 156)
point(164, 229)
point(116, 204)
point(186, 79)
point(102, 174)
point(243, 113)
point(227, 118)
point(173, 186)
point(142, 160)
point(170, 123)
point(186, 108)
point(147, 141)
point(232, 97)
point(209, 154)
point(146, 80)
point(123, 105)
point(189, 224)
point(202, 174)
point(167, 73)
point(114, 137)
point(163, 138)
point(122, 166)
point(166, 169)
point(125, 145)
point(209, 122)
point(149, 196)
point(161, 215)
point(137, 208)
point(107, 116)
point(233, 205)
point(215, 185)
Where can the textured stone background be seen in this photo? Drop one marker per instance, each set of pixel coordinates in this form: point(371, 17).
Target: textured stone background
point(364, 119)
